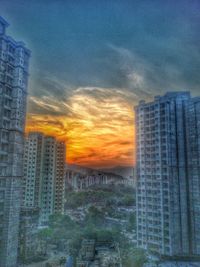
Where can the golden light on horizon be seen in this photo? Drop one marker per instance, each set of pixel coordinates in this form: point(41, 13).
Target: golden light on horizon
point(98, 133)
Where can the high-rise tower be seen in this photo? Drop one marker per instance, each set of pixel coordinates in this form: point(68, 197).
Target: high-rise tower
point(33, 162)
point(44, 165)
point(193, 171)
point(14, 59)
point(168, 176)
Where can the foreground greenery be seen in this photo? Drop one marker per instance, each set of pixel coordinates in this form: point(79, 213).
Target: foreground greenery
point(108, 194)
point(65, 233)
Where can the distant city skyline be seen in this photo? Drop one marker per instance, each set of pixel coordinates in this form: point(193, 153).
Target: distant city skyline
point(93, 61)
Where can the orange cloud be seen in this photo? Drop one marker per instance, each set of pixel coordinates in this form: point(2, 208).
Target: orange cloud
point(96, 123)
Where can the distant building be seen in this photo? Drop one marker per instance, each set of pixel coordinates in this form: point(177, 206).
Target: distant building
point(59, 179)
point(96, 254)
point(14, 61)
point(168, 174)
point(33, 164)
point(79, 181)
point(44, 166)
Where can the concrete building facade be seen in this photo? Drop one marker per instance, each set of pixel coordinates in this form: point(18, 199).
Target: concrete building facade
point(59, 183)
point(166, 129)
point(14, 60)
point(193, 172)
point(33, 161)
point(44, 170)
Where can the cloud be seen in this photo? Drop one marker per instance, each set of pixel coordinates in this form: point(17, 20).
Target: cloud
point(91, 63)
point(136, 71)
point(96, 123)
point(136, 79)
point(172, 65)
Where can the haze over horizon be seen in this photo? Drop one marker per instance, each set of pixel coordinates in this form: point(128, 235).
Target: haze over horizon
point(92, 61)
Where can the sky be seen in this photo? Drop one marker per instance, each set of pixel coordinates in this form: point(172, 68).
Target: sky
point(92, 61)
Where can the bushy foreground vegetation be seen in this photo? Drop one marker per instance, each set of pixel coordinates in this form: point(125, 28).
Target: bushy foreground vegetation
point(108, 194)
point(65, 234)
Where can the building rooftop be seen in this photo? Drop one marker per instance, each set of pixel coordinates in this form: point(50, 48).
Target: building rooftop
point(4, 22)
point(169, 95)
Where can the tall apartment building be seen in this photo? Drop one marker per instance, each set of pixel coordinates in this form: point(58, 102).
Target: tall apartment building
point(44, 169)
point(193, 172)
point(168, 174)
point(14, 59)
point(32, 169)
point(60, 177)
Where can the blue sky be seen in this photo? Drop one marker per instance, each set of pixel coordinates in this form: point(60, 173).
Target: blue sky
point(122, 51)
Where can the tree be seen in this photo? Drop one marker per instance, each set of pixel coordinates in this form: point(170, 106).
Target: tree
point(134, 258)
point(132, 222)
point(94, 217)
point(44, 237)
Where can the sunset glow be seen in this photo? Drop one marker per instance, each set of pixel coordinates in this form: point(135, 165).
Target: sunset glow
point(98, 133)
